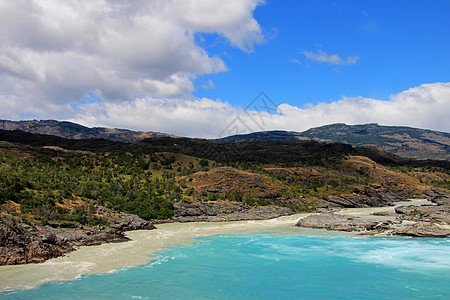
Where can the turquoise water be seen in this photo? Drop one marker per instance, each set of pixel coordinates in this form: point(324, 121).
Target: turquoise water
point(273, 267)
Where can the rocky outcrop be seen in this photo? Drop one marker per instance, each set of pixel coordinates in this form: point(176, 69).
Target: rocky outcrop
point(225, 211)
point(426, 220)
point(370, 198)
point(22, 243)
point(407, 220)
point(332, 221)
point(439, 197)
point(424, 230)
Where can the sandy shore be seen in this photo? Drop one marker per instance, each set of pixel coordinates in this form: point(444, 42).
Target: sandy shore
point(109, 257)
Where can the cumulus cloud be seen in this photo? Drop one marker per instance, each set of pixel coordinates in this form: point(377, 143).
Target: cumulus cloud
point(333, 59)
point(426, 106)
point(55, 52)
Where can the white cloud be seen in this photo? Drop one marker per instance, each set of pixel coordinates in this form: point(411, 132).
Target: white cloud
point(333, 59)
point(56, 52)
point(426, 106)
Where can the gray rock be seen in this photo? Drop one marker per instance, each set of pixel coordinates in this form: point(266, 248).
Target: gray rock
point(225, 211)
point(21, 243)
point(370, 198)
point(423, 229)
point(332, 221)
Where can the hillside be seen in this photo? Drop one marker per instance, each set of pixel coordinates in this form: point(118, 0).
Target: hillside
point(75, 131)
point(402, 141)
point(406, 142)
point(57, 194)
point(286, 153)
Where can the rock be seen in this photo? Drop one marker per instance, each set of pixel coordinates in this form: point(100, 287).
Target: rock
point(383, 213)
point(127, 222)
point(332, 221)
point(225, 211)
point(50, 239)
point(424, 229)
point(440, 197)
point(369, 198)
point(21, 243)
point(53, 224)
point(379, 227)
point(430, 213)
point(407, 209)
point(411, 220)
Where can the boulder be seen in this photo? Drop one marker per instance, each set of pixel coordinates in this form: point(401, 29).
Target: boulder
point(332, 221)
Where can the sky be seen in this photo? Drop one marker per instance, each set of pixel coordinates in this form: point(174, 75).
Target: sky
point(212, 68)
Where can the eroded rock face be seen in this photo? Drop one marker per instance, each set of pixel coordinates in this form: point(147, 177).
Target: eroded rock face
point(408, 220)
point(439, 197)
point(21, 243)
point(225, 211)
point(371, 198)
point(424, 229)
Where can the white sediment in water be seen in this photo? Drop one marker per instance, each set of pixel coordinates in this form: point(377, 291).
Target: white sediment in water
point(109, 257)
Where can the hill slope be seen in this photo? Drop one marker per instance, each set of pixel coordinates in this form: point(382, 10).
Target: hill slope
point(57, 194)
point(76, 131)
point(403, 141)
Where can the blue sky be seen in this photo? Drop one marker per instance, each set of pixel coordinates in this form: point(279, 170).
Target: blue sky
point(191, 67)
point(400, 44)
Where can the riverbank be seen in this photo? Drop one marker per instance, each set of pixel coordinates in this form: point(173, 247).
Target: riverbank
point(143, 244)
point(27, 242)
point(109, 257)
point(414, 218)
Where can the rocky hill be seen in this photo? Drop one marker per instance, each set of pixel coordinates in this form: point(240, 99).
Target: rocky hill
point(57, 194)
point(76, 131)
point(403, 141)
point(406, 142)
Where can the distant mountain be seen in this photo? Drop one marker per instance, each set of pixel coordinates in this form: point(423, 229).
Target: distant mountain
point(403, 141)
point(76, 131)
point(264, 136)
point(297, 152)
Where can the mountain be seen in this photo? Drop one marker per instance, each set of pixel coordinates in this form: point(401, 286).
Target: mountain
point(264, 136)
point(406, 142)
point(76, 131)
point(288, 153)
point(403, 141)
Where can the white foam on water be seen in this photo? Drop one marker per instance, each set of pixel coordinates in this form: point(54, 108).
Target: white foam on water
point(108, 257)
point(403, 254)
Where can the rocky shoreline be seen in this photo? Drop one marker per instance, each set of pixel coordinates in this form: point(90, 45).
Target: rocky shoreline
point(431, 218)
point(21, 243)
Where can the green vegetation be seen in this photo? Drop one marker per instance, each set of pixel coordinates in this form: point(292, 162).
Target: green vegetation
point(69, 181)
point(121, 181)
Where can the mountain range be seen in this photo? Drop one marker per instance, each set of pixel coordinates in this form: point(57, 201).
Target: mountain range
point(403, 141)
point(76, 131)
